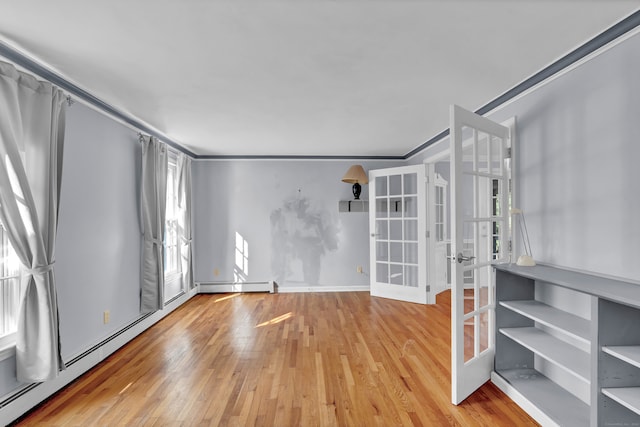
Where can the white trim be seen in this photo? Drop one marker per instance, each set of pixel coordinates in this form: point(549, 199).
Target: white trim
point(225, 287)
point(307, 289)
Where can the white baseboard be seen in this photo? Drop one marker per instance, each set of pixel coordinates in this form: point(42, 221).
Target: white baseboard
point(18, 403)
point(297, 289)
point(222, 287)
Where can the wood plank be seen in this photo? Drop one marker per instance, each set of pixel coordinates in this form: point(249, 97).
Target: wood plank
point(544, 314)
point(566, 356)
point(283, 359)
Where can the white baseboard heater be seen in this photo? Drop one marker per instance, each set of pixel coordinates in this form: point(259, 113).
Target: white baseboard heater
point(226, 287)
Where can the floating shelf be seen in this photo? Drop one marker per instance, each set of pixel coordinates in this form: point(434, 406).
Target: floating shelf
point(572, 325)
point(562, 354)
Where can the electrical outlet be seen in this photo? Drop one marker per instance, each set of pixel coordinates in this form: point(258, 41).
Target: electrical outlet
point(216, 272)
point(106, 316)
point(359, 269)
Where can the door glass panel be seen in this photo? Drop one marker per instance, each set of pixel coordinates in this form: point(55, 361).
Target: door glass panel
point(411, 206)
point(469, 339)
point(396, 274)
point(381, 208)
point(382, 229)
point(395, 207)
point(483, 320)
point(411, 253)
point(381, 186)
point(484, 289)
point(395, 185)
point(497, 155)
point(395, 228)
point(411, 183)
point(411, 275)
point(411, 229)
point(468, 150)
point(469, 300)
point(483, 153)
point(382, 251)
point(382, 272)
point(395, 249)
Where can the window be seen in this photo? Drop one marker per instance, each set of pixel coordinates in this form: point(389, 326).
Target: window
point(171, 236)
point(9, 289)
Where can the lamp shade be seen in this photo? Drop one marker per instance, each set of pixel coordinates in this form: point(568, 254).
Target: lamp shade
point(355, 175)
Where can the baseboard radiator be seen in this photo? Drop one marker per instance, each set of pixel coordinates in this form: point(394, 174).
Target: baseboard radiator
point(226, 287)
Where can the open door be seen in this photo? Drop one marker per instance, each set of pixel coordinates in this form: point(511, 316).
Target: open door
point(397, 222)
point(480, 176)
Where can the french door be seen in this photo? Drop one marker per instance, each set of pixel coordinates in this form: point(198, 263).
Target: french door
point(397, 223)
point(480, 178)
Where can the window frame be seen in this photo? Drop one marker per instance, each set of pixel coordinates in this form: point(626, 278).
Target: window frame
point(9, 270)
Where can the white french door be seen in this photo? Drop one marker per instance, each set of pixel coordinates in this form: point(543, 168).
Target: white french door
point(397, 223)
point(480, 176)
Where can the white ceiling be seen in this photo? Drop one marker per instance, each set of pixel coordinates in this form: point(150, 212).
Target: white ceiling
point(305, 77)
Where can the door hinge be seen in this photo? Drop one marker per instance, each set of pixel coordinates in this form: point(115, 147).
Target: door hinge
point(427, 234)
point(507, 154)
point(510, 245)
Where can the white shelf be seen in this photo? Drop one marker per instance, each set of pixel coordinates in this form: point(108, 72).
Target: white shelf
point(564, 355)
point(555, 402)
point(629, 397)
point(572, 325)
point(626, 353)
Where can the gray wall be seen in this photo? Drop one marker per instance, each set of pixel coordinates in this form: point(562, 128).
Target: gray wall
point(98, 245)
point(578, 145)
point(288, 213)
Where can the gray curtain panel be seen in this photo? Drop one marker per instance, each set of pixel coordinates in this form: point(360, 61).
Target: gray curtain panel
point(184, 221)
point(32, 120)
point(153, 200)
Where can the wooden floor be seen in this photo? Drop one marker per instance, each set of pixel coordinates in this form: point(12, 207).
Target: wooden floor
point(316, 359)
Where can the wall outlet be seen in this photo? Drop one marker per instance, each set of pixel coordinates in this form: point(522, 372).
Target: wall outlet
point(216, 272)
point(359, 269)
point(106, 316)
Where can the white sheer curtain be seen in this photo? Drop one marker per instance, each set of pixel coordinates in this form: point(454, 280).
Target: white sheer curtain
point(32, 119)
point(184, 220)
point(153, 199)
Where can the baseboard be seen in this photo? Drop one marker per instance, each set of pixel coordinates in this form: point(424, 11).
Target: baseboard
point(298, 289)
point(21, 401)
point(224, 287)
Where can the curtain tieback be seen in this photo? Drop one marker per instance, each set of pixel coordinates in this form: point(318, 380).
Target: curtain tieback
point(43, 269)
point(154, 241)
point(185, 240)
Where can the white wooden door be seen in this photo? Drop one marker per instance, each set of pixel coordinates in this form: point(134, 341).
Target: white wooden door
point(480, 177)
point(397, 223)
point(438, 242)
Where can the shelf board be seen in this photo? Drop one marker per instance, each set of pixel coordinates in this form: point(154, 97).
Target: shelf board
point(554, 401)
point(629, 397)
point(626, 353)
point(570, 324)
point(564, 355)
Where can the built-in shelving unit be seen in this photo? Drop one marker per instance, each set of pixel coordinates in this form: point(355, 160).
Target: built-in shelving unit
point(567, 369)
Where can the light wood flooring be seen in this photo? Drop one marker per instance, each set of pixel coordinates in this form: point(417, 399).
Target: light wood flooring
point(315, 359)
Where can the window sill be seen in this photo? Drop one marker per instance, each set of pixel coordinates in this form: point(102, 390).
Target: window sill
point(7, 347)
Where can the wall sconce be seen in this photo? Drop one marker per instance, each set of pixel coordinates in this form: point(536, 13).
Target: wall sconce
point(356, 176)
point(525, 260)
